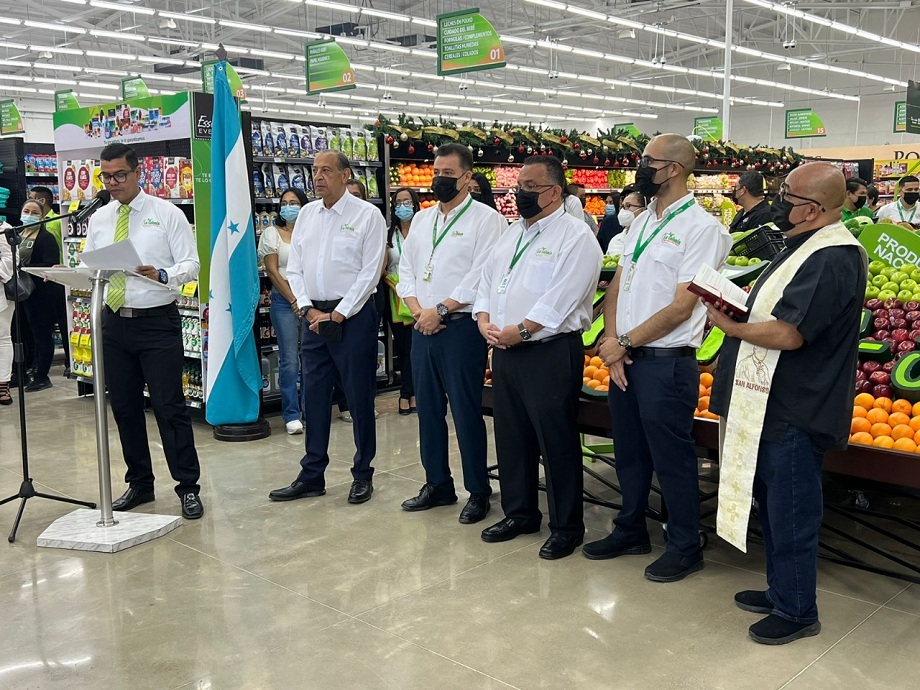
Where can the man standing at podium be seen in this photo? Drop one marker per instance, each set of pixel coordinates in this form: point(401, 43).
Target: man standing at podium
point(142, 332)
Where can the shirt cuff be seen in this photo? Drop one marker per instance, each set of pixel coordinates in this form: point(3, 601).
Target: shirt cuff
point(406, 288)
point(546, 316)
point(480, 305)
point(346, 308)
point(463, 295)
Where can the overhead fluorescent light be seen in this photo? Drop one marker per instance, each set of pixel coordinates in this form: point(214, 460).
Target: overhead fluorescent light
point(187, 17)
point(121, 7)
point(245, 27)
point(120, 35)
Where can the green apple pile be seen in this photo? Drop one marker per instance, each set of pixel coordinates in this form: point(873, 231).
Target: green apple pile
point(887, 282)
point(742, 261)
point(611, 261)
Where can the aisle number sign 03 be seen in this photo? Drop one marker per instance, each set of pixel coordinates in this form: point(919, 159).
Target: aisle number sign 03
point(891, 243)
point(467, 42)
point(65, 99)
point(10, 119)
point(900, 117)
point(134, 87)
point(207, 79)
point(328, 68)
point(708, 128)
point(802, 123)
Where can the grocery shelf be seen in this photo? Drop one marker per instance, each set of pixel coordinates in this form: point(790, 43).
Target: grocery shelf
point(269, 348)
point(188, 401)
point(189, 312)
point(264, 310)
point(295, 160)
point(191, 355)
point(698, 190)
point(81, 379)
point(38, 174)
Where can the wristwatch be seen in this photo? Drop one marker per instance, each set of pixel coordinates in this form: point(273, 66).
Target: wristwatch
point(304, 311)
point(163, 276)
point(525, 334)
point(624, 341)
point(442, 311)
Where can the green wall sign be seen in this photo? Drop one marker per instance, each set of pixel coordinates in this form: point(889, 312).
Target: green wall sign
point(708, 128)
point(802, 123)
point(912, 120)
point(891, 243)
point(10, 119)
point(65, 100)
point(900, 117)
point(629, 128)
point(467, 43)
point(134, 87)
point(327, 67)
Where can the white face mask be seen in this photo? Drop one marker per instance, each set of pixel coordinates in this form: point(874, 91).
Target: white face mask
point(625, 217)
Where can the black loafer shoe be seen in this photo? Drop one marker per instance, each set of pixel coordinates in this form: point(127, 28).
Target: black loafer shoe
point(507, 529)
point(39, 385)
point(753, 601)
point(132, 498)
point(774, 630)
point(475, 509)
point(192, 507)
point(295, 491)
point(361, 491)
point(560, 546)
point(429, 497)
point(671, 567)
point(614, 545)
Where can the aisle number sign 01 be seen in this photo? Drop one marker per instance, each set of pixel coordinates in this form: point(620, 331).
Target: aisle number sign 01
point(467, 42)
point(802, 123)
point(65, 99)
point(133, 87)
point(900, 117)
point(708, 128)
point(328, 68)
point(890, 243)
point(10, 119)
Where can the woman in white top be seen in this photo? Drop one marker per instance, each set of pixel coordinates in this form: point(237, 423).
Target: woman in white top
point(633, 205)
point(405, 205)
point(6, 317)
point(274, 249)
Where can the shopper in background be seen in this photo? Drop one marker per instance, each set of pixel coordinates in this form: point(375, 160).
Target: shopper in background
point(274, 251)
point(803, 320)
point(405, 206)
point(578, 191)
point(854, 203)
point(337, 252)
point(872, 202)
point(142, 330)
point(38, 249)
point(904, 208)
point(572, 204)
point(481, 190)
point(749, 194)
point(653, 327)
point(7, 307)
point(610, 226)
point(534, 301)
point(356, 187)
point(440, 268)
point(633, 205)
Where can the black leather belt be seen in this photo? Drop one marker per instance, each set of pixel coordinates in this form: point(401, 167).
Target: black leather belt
point(326, 305)
point(551, 338)
point(457, 315)
point(662, 352)
point(135, 313)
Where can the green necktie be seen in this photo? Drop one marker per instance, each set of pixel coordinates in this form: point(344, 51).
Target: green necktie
point(115, 298)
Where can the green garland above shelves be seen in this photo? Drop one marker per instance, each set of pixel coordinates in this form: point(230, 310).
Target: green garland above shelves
point(614, 148)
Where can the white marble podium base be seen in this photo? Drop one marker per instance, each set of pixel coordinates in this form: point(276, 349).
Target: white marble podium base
point(78, 531)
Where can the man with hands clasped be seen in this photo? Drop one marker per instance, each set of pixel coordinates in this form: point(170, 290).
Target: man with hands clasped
point(654, 325)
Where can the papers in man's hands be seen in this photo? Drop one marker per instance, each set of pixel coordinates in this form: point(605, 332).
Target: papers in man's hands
point(121, 255)
point(713, 287)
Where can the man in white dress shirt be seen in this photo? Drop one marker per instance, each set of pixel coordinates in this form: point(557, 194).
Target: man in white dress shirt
point(535, 298)
point(904, 208)
point(142, 330)
point(439, 276)
point(653, 326)
point(337, 250)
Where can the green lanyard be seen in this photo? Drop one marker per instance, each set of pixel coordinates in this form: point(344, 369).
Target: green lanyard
point(640, 245)
point(901, 213)
point(435, 238)
point(519, 251)
point(399, 240)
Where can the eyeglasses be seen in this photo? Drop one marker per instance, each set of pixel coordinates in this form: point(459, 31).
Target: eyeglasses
point(646, 161)
point(630, 207)
point(292, 202)
point(530, 187)
point(784, 192)
point(119, 177)
point(407, 202)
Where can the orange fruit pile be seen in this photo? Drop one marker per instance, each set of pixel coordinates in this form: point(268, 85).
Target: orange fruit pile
point(415, 175)
point(702, 407)
point(885, 423)
point(596, 375)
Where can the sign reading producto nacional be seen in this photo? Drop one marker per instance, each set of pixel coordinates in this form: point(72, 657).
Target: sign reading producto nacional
point(891, 243)
point(327, 67)
point(467, 43)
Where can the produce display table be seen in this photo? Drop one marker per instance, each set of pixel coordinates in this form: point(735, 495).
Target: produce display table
point(891, 472)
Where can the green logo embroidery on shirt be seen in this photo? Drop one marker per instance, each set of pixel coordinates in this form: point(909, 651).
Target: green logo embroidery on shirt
point(347, 228)
point(543, 251)
point(151, 223)
point(671, 238)
point(457, 233)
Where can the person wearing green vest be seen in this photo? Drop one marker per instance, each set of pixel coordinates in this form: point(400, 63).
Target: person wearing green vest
point(45, 198)
point(855, 201)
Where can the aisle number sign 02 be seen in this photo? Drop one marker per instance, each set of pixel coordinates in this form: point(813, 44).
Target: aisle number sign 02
point(467, 42)
point(328, 68)
point(708, 128)
point(10, 119)
point(802, 123)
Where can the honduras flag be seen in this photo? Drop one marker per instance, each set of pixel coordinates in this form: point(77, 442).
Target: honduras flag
point(233, 374)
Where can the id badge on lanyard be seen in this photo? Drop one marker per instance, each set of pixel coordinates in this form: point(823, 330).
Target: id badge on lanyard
point(630, 273)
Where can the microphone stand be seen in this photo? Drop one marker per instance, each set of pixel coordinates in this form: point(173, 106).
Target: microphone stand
point(27, 488)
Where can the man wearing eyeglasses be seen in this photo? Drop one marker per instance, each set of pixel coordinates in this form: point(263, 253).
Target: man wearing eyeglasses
point(142, 330)
point(784, 387)
point(653, 327)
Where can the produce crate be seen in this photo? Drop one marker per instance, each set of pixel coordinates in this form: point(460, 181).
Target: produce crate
point(763, 243)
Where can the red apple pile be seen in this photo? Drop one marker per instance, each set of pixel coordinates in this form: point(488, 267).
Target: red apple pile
point(875, 378)
point(896, 323)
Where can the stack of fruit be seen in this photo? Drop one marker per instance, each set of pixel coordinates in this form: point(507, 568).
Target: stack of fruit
point(412, 174)
point(885, 423)
point(722, 181)
point(506, 176)
point(427, 200)
point(617, 179)
point(887, 282)
point(488, 171)
point(742, 261)
point(595, 204)
point(702, 406)
point(596, 375)
point(895, 322)
point(592, 179)
point(507, 205)
point(874, 378)
point(611, 261)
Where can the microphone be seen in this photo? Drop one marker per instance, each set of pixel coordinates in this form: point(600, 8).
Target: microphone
point(103, 196)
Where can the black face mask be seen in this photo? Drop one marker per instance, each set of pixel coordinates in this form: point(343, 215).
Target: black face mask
point(911, 198)
point(528, 204)
point(780, 210)
point(735, 196)
point(860, 202)
point(445, 188)
point(476, 196)
point(645, 180)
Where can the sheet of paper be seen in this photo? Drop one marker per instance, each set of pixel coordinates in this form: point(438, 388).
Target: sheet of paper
point(121, 255)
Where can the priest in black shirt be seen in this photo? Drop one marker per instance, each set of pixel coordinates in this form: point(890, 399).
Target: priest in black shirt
point(749, 193)
point(792, 363)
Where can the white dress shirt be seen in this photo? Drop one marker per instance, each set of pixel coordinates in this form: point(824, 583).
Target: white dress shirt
point(897, 212)
point(6, 266)
point(554, 281)
point(394, 253)
point(456, 262)
point(690, 240)
point(271, 242)
point(337, 253)
point(161, 235)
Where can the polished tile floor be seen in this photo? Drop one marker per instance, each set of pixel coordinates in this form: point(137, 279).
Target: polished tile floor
point(321, 594)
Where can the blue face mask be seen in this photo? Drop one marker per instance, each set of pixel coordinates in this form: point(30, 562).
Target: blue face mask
point(610, 209)
point(25, 220)
point(404, 212)
point(290, 213)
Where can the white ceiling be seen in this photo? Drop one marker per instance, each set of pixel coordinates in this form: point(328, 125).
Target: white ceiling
point(563, 65)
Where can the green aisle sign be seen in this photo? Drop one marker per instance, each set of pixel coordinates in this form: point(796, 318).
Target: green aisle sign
point(803, 123)
point(629, 128)
point(467, 43)
point(912, 122)
point(900, 117)
point(207, 79)
point(65, 100)
point(708, 128)
point(10, 119)
point(328, 67)
point(133, 87)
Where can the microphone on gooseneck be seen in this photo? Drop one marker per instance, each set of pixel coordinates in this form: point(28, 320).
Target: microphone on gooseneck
point(103, 196)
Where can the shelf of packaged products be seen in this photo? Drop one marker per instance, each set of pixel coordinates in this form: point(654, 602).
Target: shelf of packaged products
point(191, 355)
point(38, 174)
point(81, 379)
point(289, 161)
point(710, 191)
point(190, 403)
point(189, 312)
point(177, 202)
point(270, 348)
point(277, 200)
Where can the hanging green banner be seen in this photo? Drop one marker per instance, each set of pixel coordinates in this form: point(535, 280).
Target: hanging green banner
point(10, 119)
point(65, 99)
point(912, 114)
point(708, 128)
point(467, 43)
point(802, 123)
point(134, 87)
point(207, 79)
point(328, 67)
point(900, 117)
point(629, 128)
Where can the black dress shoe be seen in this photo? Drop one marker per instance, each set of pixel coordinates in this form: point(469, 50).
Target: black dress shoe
point(671, 567)
point(407, 410)
point(132, 498)
point(560, 545)
point(295, 491)
point(429, 497)
point(507, 529)
point(774, 630)
point(39, 384)
point(475, 509)
point(361, 491)
point(192, 507)
point(754, 601)
point(614, 545)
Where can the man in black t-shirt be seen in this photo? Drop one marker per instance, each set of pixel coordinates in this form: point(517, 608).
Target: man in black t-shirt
point(808, 410)
point(749, 194)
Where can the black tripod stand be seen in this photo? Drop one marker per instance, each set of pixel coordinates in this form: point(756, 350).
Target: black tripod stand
point(27, 488)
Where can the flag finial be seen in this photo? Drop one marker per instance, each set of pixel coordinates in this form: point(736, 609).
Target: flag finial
point(221, 52)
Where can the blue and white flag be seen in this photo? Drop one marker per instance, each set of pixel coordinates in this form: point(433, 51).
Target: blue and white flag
point(233, 374)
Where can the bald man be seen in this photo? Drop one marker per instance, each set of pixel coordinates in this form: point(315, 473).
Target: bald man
point(802, 329)
point(654, 325)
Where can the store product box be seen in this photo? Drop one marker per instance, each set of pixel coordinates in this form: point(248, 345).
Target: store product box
point(171, 186)
point(186, 179)
point(256, 140)
point(359, 146)
point(69, 181)
point(335, 138)
point(320, 139)
point(306, 142)
point(98, 184)
point(373, 191)
point(348, 144)
point(282, 183)
point(268, 180)
point(84, 190)
point(293, 140)
point(268, 140)
point(372, 153)
point(258, 183)
point(155, 177)
point(281, 142)
point(297, 178)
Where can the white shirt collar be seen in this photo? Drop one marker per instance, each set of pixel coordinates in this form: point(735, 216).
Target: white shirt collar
point(137, 203)
point(455, 210)
point(339, 206)
point(653, 207)
point(544, 223)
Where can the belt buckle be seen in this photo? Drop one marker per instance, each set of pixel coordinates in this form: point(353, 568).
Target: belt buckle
point(126, 312)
